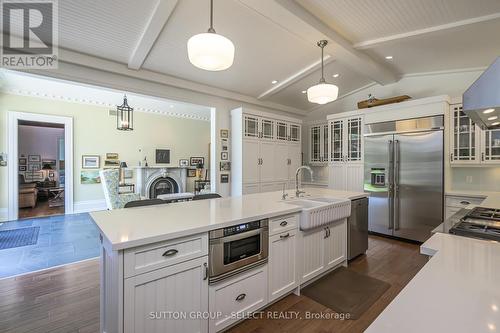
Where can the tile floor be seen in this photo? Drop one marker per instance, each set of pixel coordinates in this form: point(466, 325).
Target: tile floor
point(62, 239)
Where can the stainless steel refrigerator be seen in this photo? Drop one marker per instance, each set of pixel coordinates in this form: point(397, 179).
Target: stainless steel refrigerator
point(404, 175)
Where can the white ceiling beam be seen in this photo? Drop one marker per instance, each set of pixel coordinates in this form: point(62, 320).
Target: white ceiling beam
point(157, 21)
point(296, 77)
point(339, 46)
point(449, 26)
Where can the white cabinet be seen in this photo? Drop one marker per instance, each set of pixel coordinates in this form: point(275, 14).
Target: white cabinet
point(469, 144)
point(176, 289)
point(318, 143)
point(346, 153)
point(237, 296)
point(265, 149)
point(322, 249)
point(282, 263)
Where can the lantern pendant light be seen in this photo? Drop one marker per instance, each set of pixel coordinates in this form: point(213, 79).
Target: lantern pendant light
point(210, 51)
point(124, 116)
point(323, 92)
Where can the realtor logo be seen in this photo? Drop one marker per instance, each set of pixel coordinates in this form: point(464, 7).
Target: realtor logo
point(29, 39)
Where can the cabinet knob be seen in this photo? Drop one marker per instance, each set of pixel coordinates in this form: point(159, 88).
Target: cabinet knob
point(170, 253)
point(241, 297)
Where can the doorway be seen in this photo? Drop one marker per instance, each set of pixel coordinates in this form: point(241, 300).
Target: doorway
point(40, 171)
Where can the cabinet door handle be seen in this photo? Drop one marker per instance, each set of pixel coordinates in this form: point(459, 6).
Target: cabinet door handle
point(326, 234)
point(328, 229)
point(284, 223)
point(241, 297)
point(465, 202)
point(206, 271)
point(285, 236)
point(170, 253)
point(261, 161)
point(482, 156)
point(451, 157)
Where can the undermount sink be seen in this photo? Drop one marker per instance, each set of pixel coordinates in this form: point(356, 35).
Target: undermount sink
point(321, 211)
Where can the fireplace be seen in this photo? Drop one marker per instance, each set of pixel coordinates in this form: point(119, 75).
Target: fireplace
point(154, 181)
point(163, 186)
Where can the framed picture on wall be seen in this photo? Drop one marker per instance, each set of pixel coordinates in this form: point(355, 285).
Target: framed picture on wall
point(224, 133)
point(162, 156)
point(22, 168)
point(34, 167)
point(224, 156)
point(23, 161)
point(34, 158)
point(224, 178)
point(225, 166)
point(184, 162)
point(191, 173)
point(91, 161)
point(194, 161)
point(111, 156)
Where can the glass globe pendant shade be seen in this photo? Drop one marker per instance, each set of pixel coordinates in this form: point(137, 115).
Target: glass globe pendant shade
point(210, 51)
point(322, 93)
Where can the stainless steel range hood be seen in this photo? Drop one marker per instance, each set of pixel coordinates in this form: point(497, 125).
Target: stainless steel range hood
point(481, 102)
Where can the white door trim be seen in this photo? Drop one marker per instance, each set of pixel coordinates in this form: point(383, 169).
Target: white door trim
point(13, 154)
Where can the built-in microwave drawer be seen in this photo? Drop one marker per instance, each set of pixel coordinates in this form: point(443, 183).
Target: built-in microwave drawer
point(158, 255)
point(283, 223)
point(462, 202)
point(234, 297)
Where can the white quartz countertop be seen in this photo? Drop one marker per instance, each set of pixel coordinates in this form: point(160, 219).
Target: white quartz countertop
point(458, 290)
point(492, 199)
point(131, 227)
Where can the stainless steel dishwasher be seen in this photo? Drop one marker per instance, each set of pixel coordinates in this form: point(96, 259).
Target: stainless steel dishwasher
point(357, 228)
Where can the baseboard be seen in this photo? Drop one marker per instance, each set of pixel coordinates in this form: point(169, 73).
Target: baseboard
point(89, 206)
point(4, 214)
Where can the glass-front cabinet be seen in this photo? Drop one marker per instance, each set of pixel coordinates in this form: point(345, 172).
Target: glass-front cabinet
point(469, 144)
point(286, 131)
point(318, 140)
point(258, 127)
point(346, 139)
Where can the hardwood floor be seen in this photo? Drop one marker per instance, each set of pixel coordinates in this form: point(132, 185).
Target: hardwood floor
point(41, 209)
point(389, 260)
point(66, 299)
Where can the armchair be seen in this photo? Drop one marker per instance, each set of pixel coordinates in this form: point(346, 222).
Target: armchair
point(110, 181)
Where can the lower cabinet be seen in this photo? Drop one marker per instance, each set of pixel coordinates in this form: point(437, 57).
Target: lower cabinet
point(167, 299)
point(323, 248)
point(231, 299)
point(282, 263)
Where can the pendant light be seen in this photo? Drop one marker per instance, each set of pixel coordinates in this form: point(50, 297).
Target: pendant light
point(209, 50)
point(323, 92)
point(124, 116)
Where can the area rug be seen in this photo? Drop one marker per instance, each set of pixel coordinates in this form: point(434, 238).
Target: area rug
point(18, 237)
point(346, 291)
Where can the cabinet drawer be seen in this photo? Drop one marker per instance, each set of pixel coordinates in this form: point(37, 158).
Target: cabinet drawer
point(283, 223)
point(462, 202)
point(150, 257)
point(235, 297)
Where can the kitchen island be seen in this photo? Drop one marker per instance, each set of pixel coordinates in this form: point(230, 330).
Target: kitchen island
point(155, 263)
point(456, 291)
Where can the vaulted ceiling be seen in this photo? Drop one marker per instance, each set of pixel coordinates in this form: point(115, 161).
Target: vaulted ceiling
point(276, 40)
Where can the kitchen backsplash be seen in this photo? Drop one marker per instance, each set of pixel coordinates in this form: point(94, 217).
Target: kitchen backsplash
point(475, 179)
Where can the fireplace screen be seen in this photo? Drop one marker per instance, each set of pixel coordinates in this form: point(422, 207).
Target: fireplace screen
point(163, 186)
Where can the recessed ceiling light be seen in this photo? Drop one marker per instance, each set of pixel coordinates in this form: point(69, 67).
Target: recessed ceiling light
point(488, 110)
point(336, 75)
point(304, 91)
point(492, 118)
point(389, 57)
point(171, 106)
point(495, 123)
point(274, 82)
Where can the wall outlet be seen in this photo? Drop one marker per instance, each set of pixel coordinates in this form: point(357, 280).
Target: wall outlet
point(468, 179)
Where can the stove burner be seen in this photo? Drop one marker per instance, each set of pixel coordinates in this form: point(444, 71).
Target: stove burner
point(483, 223)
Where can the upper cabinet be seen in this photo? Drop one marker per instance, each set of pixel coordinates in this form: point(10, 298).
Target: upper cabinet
point(346, 137)
point(318, 140)
point(259, 128)
point(287, 131)
point(469, 144)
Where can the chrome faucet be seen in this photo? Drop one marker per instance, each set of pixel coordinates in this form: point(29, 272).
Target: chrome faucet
point(297, 191)
point(284, 195)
